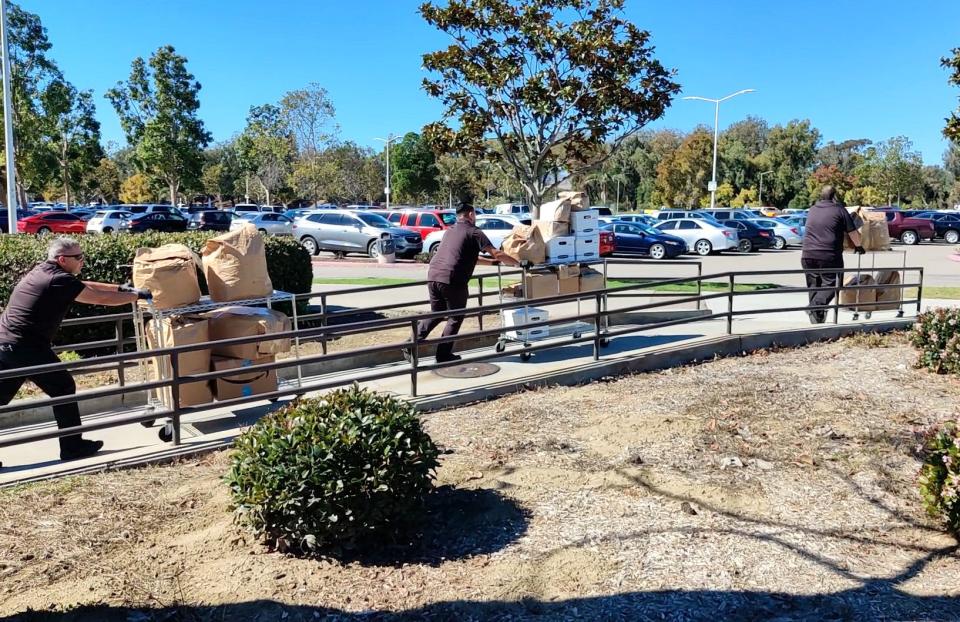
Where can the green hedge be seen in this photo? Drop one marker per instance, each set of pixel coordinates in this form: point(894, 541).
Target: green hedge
point(109, 257)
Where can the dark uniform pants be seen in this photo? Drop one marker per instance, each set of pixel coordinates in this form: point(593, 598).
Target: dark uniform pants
point(54, 384)
point(444, 297)
point(822, 279)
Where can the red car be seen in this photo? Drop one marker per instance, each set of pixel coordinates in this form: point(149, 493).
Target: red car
point(906, 229)
point(607, 243)
point(423, 221)
point(52, 222)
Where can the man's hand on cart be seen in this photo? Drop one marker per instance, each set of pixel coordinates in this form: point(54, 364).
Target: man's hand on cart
point(859, 250)
point(142, 294)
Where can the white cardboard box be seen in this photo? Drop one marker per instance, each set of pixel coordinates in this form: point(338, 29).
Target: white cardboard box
point(513, 318)
point(586, 222)
point(587, 247)
point(562, 249)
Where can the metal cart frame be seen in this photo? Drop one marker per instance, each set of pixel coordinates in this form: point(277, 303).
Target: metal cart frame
point(873, 267)
point(576, 328)
point(142, 309)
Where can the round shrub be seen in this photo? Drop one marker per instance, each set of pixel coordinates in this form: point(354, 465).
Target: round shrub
point(940, 475)
point(337, 472)
point(936, 335)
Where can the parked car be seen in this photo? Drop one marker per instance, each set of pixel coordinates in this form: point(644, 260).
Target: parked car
point(422, 221)
point(632, 238)
point(643, 219)
point(602, 210)
point(345, 231)
point(52, 222)
point(730, 213)
point(946, 226)
point(265, 222)
point(751, 236)
point(107, 221)
point(155, 221)
point(142, 208)
point(496, 227)
point(246, 208)
point(675, 214)
point(906, 229)
point(769, 212)
point(785, 234)
point(21, 214)
point(797, 220)
point(701, 235)
point(511, 208)
point(300, 212)
point(210, 220)
point(608, 243)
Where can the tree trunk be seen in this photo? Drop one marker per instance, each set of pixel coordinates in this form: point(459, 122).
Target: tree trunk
point(66, 175)
point(174, 192)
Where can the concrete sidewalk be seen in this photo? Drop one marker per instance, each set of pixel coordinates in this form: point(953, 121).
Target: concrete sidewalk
point(645, 350)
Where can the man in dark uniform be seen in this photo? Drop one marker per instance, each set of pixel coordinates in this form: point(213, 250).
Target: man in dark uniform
point(31, 319)
point(827, 223)
point(450, 271)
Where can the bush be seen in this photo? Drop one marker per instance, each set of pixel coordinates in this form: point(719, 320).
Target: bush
point(338, 472)
point(937, 335)
point(109, 257)
point(940, 475)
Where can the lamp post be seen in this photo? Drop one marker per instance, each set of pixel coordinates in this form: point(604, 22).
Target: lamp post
point(760, 194)
point(716, 131)
point(8, 123)
point(389, 139)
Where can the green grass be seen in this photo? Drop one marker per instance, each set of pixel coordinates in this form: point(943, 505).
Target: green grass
point(490, 284)
point(368, 281)
point(946, 293)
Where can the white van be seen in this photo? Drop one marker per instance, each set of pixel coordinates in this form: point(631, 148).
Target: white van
point(511, 208)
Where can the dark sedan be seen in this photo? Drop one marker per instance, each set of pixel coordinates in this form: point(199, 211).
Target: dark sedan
point(210, 220)
point(631, 238)
point(751, 235)
point(156, 221)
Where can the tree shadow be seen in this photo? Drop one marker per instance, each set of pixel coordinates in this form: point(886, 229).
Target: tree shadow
point(456, 524)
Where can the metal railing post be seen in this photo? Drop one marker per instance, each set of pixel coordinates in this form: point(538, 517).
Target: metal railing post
point(699, 284)
point(836, 298)
point(919, 292)
point(730, 306)
point(121, 376)
point(175, 396)
point(480, 302)
point(414, 358)
point(323, 322)
point(596, 329)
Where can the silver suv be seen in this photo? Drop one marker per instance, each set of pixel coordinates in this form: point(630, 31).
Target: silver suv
point(348, 231)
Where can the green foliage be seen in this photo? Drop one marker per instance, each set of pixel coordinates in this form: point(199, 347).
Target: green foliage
point(267, 149)
point(109, 257)
point(790, 153)
point(952, 129)
point(413, 172)
point(329, 473)
point(937, 335)
point(551, 81)
point(940, 475)
point(682, 175)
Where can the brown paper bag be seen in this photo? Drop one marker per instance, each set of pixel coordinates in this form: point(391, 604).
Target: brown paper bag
point(181, 330)
point(245, 383)
point(170, 273)
point(551, 229)
point(526, 244)
point(555, 211)
point(233, 322)
point(235, 265)
point(859, 299)
point(578, 200)
point(872, 226)
point(890, 296)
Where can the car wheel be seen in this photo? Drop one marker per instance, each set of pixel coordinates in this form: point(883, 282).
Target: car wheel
point(744, 246)
point(658, 251)
point(703, 247)
point(909, 237)
point(262, 231)
point(43, 230)
point(434, 249)
point(373, 250)
point(779, 243)
point(108, 229)
point(310, 245)
point(951, 236)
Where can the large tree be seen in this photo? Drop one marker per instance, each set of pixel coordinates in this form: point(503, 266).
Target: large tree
point(413, 171)
point(952, 129)
point(682, 174)
point(158, 108)
point(897, 169)
point(790, 153)
point(552, 81)
point(76, 134)
point(267, 149)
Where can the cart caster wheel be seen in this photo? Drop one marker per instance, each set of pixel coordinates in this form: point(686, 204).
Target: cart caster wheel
point(500, 347)
point(576, 335)
point(274, 400)
point(525, 356)
point(900, 313)
point(148, 424)
point(856, 316)
point(867, 314)
point(166, 432)
point(604, 342)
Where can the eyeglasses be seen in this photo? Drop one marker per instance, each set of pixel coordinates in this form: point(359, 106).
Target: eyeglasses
point(78, 257)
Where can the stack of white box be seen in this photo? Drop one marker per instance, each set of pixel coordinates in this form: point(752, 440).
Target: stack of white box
point(513, 318)
point(585, 226)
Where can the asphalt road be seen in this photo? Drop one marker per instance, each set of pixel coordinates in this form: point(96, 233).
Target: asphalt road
point(939, 270)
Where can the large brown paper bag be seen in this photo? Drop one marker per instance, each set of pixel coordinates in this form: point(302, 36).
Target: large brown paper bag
point(169, 272)
point(555, 211)
point(578, 200)
point(235, 265)
point(235, 321)
point(526, 244)
point(550, 229)
point(181, 330)
point(859, 299)
point(892, 295)
point(872, 226)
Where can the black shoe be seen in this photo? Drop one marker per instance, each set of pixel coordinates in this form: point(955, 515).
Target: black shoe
point(450, 358)
point(84, 450)
point(407, 355)
point(814, 317)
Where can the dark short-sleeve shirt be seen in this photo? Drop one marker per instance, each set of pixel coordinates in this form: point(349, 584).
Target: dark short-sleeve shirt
point(457, 256)
point(38, 304)
point(827, 224)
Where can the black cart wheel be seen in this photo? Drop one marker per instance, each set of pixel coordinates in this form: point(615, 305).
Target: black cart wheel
point(604, 342)
point(500, 347)
point(148, 424)
point(576, 335)
point(525, 356)
point(868, 314)
point(856, 316)
point(166, 432)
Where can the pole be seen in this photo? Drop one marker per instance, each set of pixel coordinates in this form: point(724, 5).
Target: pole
point(8, 123)
point(760, 194)
point(387, 188)
point(716, 133)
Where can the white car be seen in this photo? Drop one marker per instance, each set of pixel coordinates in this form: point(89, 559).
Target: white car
point(108, 221)
point(787, 234)
point(702, 236)
point(265, 222)
point(496, 226)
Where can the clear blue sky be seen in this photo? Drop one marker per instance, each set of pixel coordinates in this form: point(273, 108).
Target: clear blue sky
point(856, 69)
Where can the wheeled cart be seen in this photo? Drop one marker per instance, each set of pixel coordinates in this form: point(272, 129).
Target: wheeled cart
point(144, 310)
point(867, 301)
point(513, 320)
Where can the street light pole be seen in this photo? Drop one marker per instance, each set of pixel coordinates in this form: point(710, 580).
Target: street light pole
point(389, 139)
point(760, 195)
point(8, 123)
point(716, 134)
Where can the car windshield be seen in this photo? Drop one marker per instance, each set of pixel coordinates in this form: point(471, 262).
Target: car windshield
point(448, 219)
point(374, 220)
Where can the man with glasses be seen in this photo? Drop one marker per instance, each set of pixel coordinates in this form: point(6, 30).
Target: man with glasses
point(30, 320)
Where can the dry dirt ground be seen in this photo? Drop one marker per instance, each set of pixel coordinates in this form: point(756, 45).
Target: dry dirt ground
point(775, 486)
